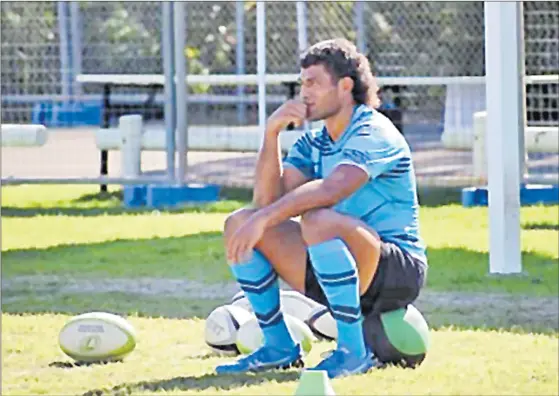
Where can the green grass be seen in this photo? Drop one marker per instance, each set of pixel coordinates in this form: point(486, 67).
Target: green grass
point(171, 358)
point(58, 239)
point(71, 231)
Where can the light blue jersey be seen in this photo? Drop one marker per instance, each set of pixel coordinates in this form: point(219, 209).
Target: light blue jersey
point(388, 201)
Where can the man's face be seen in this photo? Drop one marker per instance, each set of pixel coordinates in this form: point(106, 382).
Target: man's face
point(320, 93)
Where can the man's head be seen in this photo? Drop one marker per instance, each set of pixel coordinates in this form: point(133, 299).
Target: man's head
point(334, 75)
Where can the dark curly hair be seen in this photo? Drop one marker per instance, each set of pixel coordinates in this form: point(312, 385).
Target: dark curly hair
point(341, 59)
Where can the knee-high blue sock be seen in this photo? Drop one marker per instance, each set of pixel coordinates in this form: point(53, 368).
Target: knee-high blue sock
point(336, 271)
point(259, 281)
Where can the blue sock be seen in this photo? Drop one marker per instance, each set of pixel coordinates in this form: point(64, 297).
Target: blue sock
point(259, 281)
point(336, 271)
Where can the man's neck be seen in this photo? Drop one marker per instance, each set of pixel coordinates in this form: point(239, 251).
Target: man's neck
point(337, 124)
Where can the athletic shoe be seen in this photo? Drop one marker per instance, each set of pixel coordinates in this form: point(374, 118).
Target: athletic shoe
point(341, 363)
point(264, 358)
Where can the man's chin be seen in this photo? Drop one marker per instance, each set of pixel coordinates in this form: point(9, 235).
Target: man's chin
point(313, 118)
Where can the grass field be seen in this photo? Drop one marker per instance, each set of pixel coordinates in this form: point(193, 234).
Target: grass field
point(67, 250)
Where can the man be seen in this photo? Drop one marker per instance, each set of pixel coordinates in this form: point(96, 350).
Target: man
point(356, 247)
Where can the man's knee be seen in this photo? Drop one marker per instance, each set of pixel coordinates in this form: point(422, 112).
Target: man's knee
point(235, 220)
point(316, 225)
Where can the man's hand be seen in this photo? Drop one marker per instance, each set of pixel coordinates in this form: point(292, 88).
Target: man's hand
point(240, 244)
point(293, 111)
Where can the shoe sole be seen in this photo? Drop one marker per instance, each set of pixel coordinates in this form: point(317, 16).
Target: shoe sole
point(294, 364)
point(298, 363)
point(359, 370)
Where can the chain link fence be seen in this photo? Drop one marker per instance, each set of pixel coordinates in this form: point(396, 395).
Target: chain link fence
point(45, 45)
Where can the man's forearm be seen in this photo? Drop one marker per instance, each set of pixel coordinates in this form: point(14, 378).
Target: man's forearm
point(323, 193)
point(311, 195)
point(267, 180)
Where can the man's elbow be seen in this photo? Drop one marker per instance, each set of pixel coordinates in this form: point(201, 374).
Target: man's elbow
point(335, 191)
point(331, 195)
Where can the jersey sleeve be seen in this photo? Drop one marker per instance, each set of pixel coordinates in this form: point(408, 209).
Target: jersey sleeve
point(300, 156)
point(375, 156)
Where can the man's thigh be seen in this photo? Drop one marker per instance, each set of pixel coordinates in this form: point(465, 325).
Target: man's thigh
point(397, 283)
point(389, 278)
point(363, 242)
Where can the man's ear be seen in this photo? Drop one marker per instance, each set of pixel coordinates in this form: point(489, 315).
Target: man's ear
point(346, 84)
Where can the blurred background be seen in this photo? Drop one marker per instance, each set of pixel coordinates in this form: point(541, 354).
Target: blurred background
point(428, 56)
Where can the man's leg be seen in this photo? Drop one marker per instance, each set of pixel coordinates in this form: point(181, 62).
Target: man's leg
point(282, 245)
point(344, 253)
point(280, 251)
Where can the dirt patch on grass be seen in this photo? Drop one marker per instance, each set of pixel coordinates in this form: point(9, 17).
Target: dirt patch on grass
point(146, 286)
point(490, 310)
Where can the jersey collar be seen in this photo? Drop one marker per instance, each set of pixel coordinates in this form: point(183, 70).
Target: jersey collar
point(360, 114)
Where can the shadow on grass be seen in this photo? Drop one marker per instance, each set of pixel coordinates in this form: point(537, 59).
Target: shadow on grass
point(100, 196)
point(226, 193)
point(230, 199)
point(89, 212)
point(541, 226)
point(207, 381)
point(165, 277)
point(70, 365)
point(186, 277)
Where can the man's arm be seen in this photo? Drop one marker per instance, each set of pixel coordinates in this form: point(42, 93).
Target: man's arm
point(292, 178)
point(272, 180)
point(267, 178)
point(269, 183)
point(344, 181)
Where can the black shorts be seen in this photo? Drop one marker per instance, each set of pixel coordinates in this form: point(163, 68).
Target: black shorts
point(396, 283)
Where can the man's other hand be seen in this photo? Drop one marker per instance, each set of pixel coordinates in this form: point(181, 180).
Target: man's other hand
point(293, 111)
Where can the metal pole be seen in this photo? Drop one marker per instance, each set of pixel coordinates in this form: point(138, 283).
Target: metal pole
point(240, 57)
point(302, 38)
point(302, 25)
point(75, 27)
point(179, 16)
point(359, 8)
point(64, 49)
point(106, 122)
point(170, 99)
point(261, 62)
point(522, 121)
point(503, 87)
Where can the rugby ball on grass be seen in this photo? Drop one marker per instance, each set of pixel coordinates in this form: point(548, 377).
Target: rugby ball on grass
point(250, 338)
point(292, 303)
point(322, 324)
point(221, 328)
point(97, 337)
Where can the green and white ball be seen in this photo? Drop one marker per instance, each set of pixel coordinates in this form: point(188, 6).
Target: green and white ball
point(250, 338)
point(221, 328)
point(292, 303)
point(97, 337)
point(399, 337)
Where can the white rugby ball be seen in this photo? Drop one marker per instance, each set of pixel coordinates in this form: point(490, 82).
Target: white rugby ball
point(250, 338)
point(323, 324)
point(97, 337)
point(221, 328)
point(292, 303)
